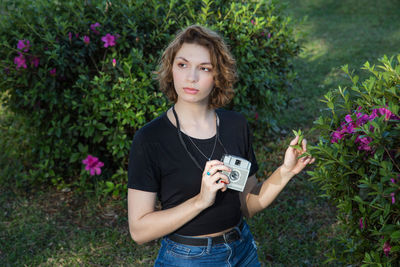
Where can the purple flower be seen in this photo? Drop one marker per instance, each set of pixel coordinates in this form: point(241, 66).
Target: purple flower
point(70, 36)
point(393, 198)
point(269, 35)
point(393, 180)
point(23, 45)
point(108, 39)
point(386, 248)
point(53, 72)
point(93, 165)
point(94, 26)
point(20, 61)
point(361, 224)
point(35, 61)
point(114, 62)
point(86, 39)
point(76, 35)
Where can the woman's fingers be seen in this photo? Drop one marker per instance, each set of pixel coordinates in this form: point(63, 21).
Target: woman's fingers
point(209, 165)
point(304, 145)
point(217, 168)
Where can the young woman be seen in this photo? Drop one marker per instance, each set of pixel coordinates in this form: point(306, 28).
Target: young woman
point(176, 157)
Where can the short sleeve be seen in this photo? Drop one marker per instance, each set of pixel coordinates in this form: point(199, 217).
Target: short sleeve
point(250, 152)
point(142, 167)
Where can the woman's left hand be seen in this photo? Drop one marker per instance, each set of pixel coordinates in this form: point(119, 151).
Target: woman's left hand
point(291, 164)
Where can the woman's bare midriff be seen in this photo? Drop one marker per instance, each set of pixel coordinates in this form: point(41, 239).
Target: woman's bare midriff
point(215, 234)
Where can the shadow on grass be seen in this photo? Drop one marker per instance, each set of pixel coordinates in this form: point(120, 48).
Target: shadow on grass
point(337, 33)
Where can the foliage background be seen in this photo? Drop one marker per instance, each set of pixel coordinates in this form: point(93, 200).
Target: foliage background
point(93, 106)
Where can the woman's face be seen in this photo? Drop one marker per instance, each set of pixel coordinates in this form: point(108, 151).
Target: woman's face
point(192, 73)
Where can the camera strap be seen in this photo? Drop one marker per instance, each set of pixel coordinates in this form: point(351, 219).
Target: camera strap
point(184, 144)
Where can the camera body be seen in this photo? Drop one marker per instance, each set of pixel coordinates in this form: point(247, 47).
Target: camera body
point(240, 171)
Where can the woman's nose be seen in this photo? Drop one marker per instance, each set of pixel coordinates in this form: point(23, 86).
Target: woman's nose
point(192, 76)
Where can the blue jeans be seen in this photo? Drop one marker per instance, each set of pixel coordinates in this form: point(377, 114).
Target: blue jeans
point(242, 252)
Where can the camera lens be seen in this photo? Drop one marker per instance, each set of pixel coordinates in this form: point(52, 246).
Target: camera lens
point(237, 162)
point(235, 175)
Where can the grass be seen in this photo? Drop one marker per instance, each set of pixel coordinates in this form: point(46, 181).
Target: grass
point(55, 228)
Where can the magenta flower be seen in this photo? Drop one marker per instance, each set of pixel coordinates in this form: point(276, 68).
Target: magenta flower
point(94, 26)
point(108, 39)
point(23, 45)
point(386, 248)
point(363, 143)
point(76, 35)
point(393, 199)
point(114, 62)
point(361, 223)
point(93, 165)
point(253, 22)
point(348, 118)
point(70, 36)
point(256, 116)
point(86, 39)
point(393, 180)
point(336, 136)
point(53, 72)
point(20, 61)
point(388, 114)
point(35, 62)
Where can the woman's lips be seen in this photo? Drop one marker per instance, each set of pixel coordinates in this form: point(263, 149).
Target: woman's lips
point(191, 91)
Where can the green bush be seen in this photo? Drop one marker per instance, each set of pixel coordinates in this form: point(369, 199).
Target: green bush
point(358, 165)
point(85, 94)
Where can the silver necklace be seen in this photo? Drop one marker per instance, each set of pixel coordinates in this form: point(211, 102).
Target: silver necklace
point(212, 152)
point(215, 141)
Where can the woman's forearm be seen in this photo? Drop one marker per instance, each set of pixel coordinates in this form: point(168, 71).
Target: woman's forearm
point(159, 223)
point(263, 194)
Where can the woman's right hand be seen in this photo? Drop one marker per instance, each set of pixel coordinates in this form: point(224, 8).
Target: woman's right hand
point(212, 181)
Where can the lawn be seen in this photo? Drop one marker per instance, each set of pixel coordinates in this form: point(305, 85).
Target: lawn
point(61, 228)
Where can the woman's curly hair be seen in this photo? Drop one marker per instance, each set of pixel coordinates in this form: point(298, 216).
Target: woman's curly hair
point(224, 68)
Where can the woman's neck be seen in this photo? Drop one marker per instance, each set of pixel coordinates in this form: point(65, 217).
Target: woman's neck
point(195, 120)
point(194, 115)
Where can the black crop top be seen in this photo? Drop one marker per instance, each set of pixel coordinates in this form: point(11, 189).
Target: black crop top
point(159, 163)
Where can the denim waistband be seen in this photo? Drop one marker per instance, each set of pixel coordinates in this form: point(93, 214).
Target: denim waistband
point(227, 237)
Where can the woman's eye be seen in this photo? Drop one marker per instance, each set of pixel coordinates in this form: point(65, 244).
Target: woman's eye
point(182, 65)
point(205, 69)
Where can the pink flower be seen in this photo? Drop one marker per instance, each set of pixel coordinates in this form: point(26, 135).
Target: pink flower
point(256, 116)
point(93, 165)
point(393, 180)
point(336, 136)
point(53, 72)
point(94, 26)
point(35, 61)
point(386, 248)
point(269, 35)
point(388, 114)
point(20, 61)
point(114, 62)
point(23, 45)
point(363, 143)
point(108, 39)
point(361, 224)
point(76, 35)
point(70, 36)
point(86, 39)
point(348, 118)
point(253, 22)
point(393, 199)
